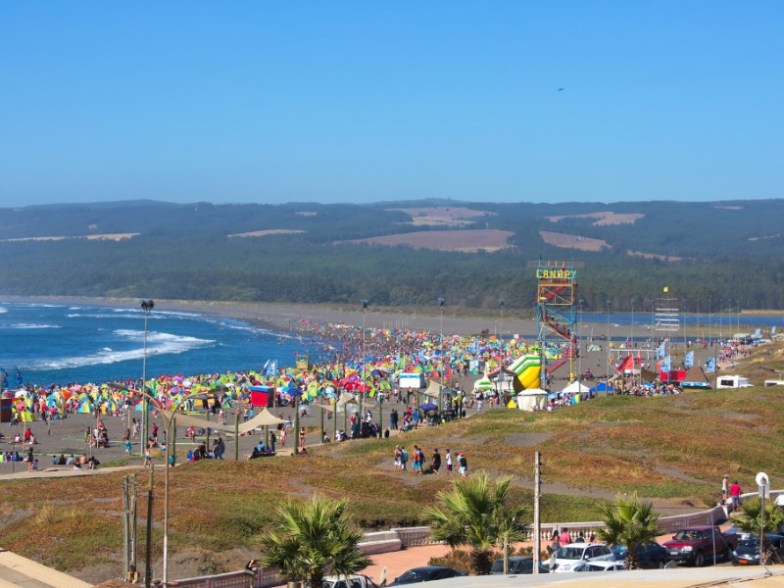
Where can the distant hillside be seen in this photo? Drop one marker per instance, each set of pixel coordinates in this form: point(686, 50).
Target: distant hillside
point(397, 253)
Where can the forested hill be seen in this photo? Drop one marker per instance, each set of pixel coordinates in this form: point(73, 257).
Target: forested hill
point(717, 254)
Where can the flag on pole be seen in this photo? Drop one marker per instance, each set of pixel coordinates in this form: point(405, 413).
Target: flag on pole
point(710, 365)
point(661, 351)
point(665, 364)
point(688, 360)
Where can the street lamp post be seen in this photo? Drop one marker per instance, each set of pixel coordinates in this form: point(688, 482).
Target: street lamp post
point(169, 420)
point(364, 304)
point(147, 306)
point(441, 303)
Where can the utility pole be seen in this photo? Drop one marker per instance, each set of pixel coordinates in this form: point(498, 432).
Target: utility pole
point(148, 554)
point(134, 532)
point(537, 514)
point(126, 527)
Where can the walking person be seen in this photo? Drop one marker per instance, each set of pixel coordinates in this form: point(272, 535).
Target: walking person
point(448, 458)
point(735, 493)
point(435, 462)
point(462, 464)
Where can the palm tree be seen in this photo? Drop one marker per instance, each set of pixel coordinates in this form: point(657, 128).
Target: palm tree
point(628, 522)
point(476, 513)
point(312, 539)
point(748, 519)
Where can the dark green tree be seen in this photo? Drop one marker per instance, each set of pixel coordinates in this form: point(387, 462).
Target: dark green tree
point(478, 513)
point(313, 539)
point(628, 522)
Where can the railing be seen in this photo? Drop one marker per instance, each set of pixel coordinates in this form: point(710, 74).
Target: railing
point(413, 536)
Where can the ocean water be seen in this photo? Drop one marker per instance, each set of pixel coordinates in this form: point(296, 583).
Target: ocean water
point(59, 344)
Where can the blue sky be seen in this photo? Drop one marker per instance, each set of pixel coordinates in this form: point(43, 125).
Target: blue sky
point(365, 101)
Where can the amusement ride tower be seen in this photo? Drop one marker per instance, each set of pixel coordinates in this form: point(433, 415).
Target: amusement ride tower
point(556, 309)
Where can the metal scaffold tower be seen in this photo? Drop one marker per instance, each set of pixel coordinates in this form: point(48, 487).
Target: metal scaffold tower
point(666, 321)
point(556, 309)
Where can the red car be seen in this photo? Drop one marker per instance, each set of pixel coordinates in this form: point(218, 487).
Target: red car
point(696, 545)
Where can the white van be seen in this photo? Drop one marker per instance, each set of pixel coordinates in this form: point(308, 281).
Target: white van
point(771, 383)
point(733, 382)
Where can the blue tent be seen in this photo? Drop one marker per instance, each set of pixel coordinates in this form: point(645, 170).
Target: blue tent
point(602, 388)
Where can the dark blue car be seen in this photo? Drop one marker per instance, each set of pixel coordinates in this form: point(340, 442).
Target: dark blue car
point(649, 554)
point(425, 574)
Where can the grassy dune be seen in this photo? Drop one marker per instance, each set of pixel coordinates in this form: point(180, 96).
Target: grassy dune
point(672, 450)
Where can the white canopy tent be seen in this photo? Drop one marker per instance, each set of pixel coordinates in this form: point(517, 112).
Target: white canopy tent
point(532, 399)
point(576, 388)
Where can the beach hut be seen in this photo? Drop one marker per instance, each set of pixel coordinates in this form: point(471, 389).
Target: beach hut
point(532, 399)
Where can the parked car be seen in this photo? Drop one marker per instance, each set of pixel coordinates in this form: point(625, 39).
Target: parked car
point(603, 566)
point(575, 556)
point(696, 545)
point(354, 581)
point(425, 574)
point(649, 554)
point(747, 552)
point(518, 564)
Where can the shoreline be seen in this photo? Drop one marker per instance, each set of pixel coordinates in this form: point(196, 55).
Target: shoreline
point(285, 316)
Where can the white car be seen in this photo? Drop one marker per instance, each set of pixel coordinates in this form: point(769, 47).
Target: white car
point(575, 557)
point(604, 566)
point(354, 581)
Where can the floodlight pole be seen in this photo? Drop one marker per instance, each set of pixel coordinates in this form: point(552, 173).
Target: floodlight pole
point(501, 377)
point(607, 366)
point(580, 345)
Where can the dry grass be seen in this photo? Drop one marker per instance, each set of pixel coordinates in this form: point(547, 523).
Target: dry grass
point(603, 218)
point(446, 216)
point(672, 450)
point(466, 241)
point(567, 241)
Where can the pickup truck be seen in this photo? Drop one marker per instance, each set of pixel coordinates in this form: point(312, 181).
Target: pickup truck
point(695, 545)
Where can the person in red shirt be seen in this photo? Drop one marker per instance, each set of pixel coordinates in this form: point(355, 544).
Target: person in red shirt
point(564, 538)
point(735, 492)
